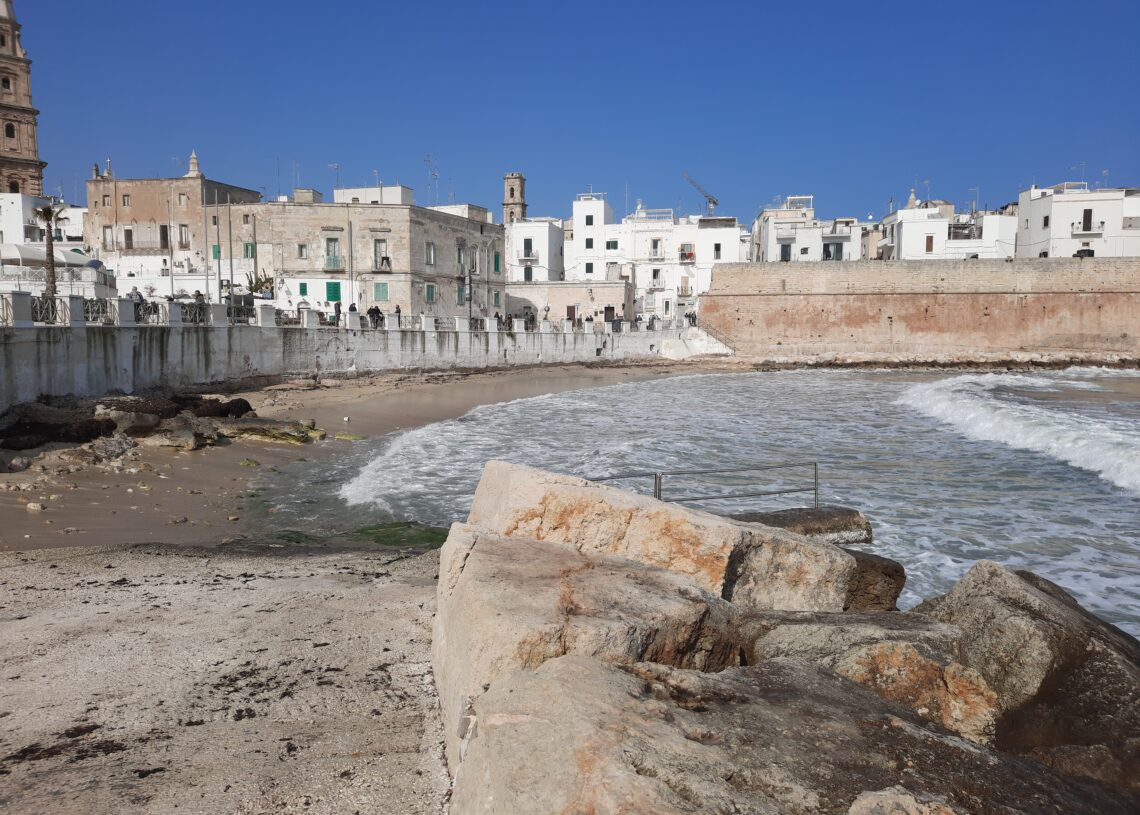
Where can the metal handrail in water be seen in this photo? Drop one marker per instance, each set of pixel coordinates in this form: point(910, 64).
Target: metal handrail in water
point(659, 481)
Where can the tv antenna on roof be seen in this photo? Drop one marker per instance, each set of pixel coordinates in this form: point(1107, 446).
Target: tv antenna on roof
point(433, 176)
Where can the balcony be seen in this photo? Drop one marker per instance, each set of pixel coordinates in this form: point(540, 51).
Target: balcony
point(530, 257)
point(687, 257)
point(382, 264)
point(657, 284)
point(184, 246)
point(334, 263)
point(1080, 229)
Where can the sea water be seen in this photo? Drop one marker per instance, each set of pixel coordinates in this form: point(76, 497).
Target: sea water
point(1039, 470)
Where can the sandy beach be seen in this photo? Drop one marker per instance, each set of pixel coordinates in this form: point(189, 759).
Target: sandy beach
point(160, 653)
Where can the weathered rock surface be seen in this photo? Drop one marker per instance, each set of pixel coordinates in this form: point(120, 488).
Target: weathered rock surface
point(841, 526)
point(130, 422)
point(507, 604)
point(184, 432)
point(272, 430)
point(877, 584)
point(1067, 682)
point(581, 736)
point(99, 451)
point(748, 564)
point(906, 658)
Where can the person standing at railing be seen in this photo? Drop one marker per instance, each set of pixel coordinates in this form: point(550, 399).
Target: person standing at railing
point(136, 297)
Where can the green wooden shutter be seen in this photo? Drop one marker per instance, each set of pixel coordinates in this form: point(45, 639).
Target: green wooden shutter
point(332, 291)
point(303, 289)
point(380, 292)
point(217, 252)
point(496, 263)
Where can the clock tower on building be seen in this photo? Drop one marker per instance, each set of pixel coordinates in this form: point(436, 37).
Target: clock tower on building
point(20, 167)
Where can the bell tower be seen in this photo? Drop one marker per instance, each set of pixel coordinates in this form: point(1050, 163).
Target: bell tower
point(514, 197)
point(20, 167)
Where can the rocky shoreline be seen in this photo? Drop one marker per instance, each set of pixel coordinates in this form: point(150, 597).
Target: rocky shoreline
point(599, 651)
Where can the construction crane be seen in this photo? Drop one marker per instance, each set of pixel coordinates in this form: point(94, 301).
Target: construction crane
point(710, 207)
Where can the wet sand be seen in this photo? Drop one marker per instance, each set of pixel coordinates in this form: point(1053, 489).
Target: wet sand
point(199, 497)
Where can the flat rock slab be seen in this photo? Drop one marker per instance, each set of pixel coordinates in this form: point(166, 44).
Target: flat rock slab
point(507, 604)
point(841, 526)
point(748, 564)
point(581, 736)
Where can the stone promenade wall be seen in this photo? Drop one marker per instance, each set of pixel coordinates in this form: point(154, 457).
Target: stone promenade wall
point(90, 360)
point(928, 309)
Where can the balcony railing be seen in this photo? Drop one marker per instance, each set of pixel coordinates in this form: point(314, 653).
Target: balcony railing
point(528, 257)
point(98, 311)
point(334, 263)
point(184, 245)
point(193, 313)
point(688, 257)
point(49, 310)
point(383, 264)
point(1092, 229)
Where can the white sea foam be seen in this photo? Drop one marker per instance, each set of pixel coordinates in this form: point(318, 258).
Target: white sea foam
point(970, 404)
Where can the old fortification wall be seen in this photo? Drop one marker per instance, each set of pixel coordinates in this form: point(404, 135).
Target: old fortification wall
point(928, 309)
point(93, 360)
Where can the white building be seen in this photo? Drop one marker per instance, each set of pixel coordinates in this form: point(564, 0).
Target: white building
point(931, 230)
point(389, 194)
point(1070, 219)
point(791, 233)
point(534, 250)
point(668, 260)
point(23, 248)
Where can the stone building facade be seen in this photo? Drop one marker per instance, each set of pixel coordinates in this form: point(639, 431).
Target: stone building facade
point(21, 170)
point(158, 233)
point(514, 197)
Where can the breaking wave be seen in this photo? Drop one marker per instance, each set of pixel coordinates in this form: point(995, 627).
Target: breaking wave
point(994, 408)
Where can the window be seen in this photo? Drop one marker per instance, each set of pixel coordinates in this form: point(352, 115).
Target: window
point(128, 239)
point(10, 131)
point(785, 252)
point(214, 220)
point(429, 253)
point(126, 200)
point(460, 294)
point(245, 220)
point(164, 236)
point(497, 262)
point(217, 252)
point(512, 193)
point(14, 186)
point(528, 273)
point(656, 275)
point(1045, 222)
point(302, 251)
point(183, 199)
point(6, 84)
point(497, 298)
point(459, 255)
point(589, 243)
point(929, 244)
point(380, 254)
point(589, 220)
point(108, 237)
point(183, 236)
point(429, 294)
point(655, 248)
point(332, 249)
point(611, 245)
point(528, 247)
point(716, 251)
point(803, 250)
point(332, 291)
point(380, 292)
point(248, 250)
point(303, 289)
point(589, 268)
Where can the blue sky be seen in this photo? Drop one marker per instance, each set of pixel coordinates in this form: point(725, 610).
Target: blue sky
point(852, 102)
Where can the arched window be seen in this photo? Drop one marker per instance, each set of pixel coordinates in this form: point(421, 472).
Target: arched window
point(512, 193)
point(14, 186)
point(10, 131)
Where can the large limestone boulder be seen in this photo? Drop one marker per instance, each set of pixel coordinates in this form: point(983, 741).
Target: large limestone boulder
point(841, 526)
point(507, 604)
point(1067, 682)
point(748, 564)
point(905, 658)
point(581, 736)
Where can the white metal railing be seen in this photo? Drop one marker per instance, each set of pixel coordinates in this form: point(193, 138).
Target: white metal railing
point(98, 310)
point(1093, 229)
point(659, 483)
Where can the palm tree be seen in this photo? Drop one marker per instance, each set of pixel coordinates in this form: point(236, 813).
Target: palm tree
point(48, 214)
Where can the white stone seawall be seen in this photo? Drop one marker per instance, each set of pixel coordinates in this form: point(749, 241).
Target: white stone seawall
point(91, 360)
